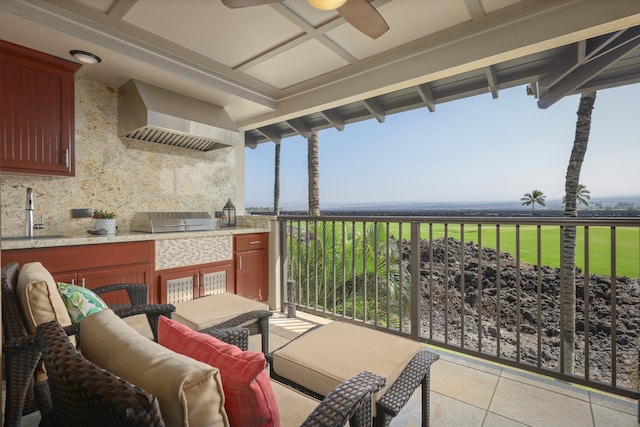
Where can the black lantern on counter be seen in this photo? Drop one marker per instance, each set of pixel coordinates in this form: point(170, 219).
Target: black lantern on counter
point(229, 212)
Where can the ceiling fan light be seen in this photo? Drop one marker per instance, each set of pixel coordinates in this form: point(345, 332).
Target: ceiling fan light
point(326, 4)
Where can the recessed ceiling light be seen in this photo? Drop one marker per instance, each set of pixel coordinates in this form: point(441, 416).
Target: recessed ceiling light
point(85, 57)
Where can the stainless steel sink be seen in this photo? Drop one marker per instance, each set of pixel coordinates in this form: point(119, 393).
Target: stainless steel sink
point(51, 236)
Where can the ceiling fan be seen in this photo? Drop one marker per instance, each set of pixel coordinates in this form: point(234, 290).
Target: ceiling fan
point(359, 13)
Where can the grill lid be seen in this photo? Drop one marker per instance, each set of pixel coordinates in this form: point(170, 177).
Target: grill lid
point(167, 222)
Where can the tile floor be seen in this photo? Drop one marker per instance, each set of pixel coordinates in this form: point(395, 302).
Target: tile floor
point(468, 392)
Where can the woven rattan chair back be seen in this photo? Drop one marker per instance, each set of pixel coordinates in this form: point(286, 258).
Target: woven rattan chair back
point(84, 394)
point(20, 351)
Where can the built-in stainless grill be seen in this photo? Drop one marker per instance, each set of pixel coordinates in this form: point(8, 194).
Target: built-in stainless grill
point(166, 222)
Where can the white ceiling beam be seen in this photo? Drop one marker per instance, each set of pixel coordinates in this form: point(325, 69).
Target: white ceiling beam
point(596, 44)
point(567, 61)
point(475, 9)
point(250, 142)
point(624, 44)
point(269, 134)
point(375, 109)
point(119, 8)
point(492, 81)
point(427, 97)
point(299, 126)
point(310, 33)
point(333, 118)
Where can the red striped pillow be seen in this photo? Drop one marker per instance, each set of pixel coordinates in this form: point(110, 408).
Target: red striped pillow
point(249, 398)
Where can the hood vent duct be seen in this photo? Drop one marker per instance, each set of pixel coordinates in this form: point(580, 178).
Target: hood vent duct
point(156, 115)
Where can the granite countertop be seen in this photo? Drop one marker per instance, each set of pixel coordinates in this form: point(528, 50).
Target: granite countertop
point(88, 239)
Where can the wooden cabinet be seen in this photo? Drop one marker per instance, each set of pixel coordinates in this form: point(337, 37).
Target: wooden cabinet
point(186, 283)
point(251, 255)
point(36, 112)
point(94, 265)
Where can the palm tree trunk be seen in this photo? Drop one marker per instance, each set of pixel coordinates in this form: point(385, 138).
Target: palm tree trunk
point(568, 262)
point(314, 174)
point(276, 183)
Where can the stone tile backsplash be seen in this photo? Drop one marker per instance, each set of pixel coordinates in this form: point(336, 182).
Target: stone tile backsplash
point(112, 176)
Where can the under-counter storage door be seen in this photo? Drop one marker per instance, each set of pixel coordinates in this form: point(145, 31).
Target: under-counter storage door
point(120, 274)
point(252, 265)
point(251, 274)
point(217, 279)
point(179, 286)
point(71, 278)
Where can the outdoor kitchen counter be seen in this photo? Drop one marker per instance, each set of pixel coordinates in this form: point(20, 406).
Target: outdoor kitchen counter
point(88, 239)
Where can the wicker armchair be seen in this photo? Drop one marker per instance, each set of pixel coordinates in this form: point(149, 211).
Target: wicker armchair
point(85, 394)
point(21, 350)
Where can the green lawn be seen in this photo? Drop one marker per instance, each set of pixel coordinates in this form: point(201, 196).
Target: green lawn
point(627, 244)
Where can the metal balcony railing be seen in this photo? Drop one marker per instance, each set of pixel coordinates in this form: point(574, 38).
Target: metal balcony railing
point(487, 287)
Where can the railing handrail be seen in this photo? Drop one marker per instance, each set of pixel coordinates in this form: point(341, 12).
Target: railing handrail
point(491, 220)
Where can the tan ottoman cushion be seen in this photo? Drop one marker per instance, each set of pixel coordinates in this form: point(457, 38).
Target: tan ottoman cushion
point(189, 392)
point(325, 357)
point(295, 407)
point(212, 310)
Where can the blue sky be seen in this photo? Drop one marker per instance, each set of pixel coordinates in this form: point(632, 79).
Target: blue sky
point(474, 149)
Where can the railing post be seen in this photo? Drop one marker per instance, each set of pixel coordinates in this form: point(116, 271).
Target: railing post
point(291, 298)
point(415, 280)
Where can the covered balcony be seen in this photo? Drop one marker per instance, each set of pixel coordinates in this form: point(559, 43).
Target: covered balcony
point(283, 68)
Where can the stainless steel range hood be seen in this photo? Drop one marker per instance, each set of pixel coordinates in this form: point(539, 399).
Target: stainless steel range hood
point(149, 113)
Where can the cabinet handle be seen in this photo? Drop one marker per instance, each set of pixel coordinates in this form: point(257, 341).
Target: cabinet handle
point(73, 281)
point(66, 158)
point(255, 242)
point(240, 262)
point(83, 284)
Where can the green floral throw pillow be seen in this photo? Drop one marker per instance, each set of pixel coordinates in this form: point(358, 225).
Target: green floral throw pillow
point(80, 302)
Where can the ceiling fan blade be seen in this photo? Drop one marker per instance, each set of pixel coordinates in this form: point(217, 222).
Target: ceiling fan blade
point(233, 4)
point(364, 17)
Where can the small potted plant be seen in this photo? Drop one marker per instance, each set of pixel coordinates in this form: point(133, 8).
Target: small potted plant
point(105, 220)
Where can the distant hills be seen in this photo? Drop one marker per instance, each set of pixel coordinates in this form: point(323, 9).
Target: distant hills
point(595, 203)
point(603, 206)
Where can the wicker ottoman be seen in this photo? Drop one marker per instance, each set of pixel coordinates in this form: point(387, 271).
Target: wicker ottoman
point(221, 311)
point(325, 356)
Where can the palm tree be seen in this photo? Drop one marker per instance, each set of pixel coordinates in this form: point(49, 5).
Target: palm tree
point(582, 195)
point(568, 256)
point(276, 182)
point(314, 174)
point(536, 196)
point(350, 270)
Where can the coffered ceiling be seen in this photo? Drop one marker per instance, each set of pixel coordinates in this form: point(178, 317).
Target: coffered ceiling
point(286, 68)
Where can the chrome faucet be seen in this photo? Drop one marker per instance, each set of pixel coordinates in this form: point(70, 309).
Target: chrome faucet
point(30, 226)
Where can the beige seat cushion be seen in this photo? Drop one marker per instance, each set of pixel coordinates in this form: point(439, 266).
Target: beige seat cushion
point(189, 392)
point(295, 407)
point(212, 310)
point(40, 302)
point(325, 357)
